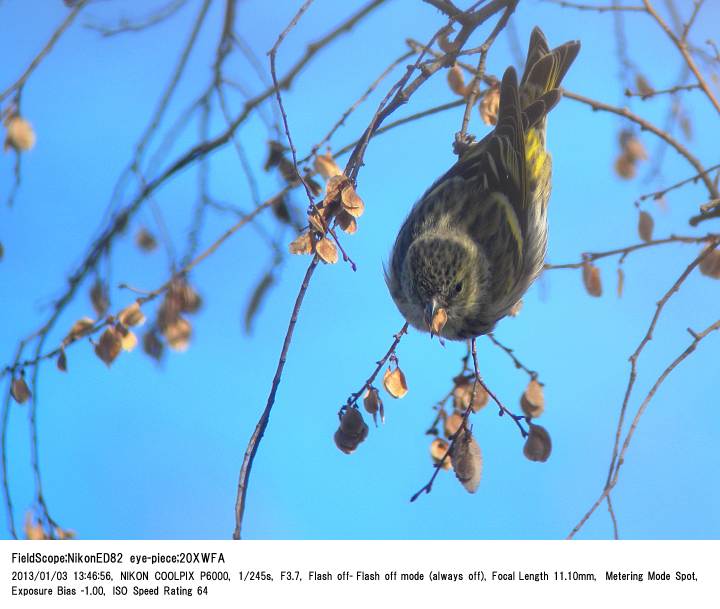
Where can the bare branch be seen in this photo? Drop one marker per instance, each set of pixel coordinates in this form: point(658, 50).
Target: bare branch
point(682, 46)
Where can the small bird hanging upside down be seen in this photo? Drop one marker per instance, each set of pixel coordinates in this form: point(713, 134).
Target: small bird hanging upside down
point(476, 240)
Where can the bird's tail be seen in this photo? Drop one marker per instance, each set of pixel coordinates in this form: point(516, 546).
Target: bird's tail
point(544, 71)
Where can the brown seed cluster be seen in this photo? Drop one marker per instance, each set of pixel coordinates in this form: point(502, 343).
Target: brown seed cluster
point(351, 432)
point(180, 299)
point(19, 134)
point(278, 158)
point(464, 385)
point(632, 152)
point(394, 383)
point(341, 206)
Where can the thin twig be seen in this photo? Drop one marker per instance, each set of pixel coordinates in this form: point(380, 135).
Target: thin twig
point(354, 397)
point(67, 22)
point(655, 92)
point(697, 337)
point(624, 251)
point(682, 46)
point(533, 374)
point(480, 70)
point(125, 25)
point(599, 8)
point(503, 410)
point(658, 194)
point(259, 431)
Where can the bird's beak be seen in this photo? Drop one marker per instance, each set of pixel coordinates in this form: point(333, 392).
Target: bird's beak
point(435, 317)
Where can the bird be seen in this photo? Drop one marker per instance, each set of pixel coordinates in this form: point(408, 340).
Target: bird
point(475, 241)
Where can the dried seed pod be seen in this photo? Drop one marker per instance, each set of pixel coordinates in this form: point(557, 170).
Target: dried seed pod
point(302, 245)
point(288, 172)
point(686, 126)
point(152, 345)
point(452, 424)
point(276, 152)
point(346, 222)
point(591, 279)
point(168, 312)
point(463, 391)
point(109, 346)
point(620, 282)
point(188, 300)
point(394, 383)
point(345, 444)
point(317, 220)
point(326, 166)
point(710, 265)
point(645, 226)
point(352, 423)
point(334, 186)
point(2, 251)
point(373, 404)
point(327, 251)
point(19, 390)
point(490, 105)
point(643, 86)
point(128, 341)
point(467, 460)
point(625, 166)
point(532, 401)
point(634, 149)
point(64, 533)
point(99, 298)
point(33, 528)
point(62, 361)
point(20, 135)
point(82, 327)
point(312, 184)
point(438, 321)
point(456, 80)
point(352, 431)
point(281, 210)
point(178, 334)
point(145, 240)
point(258, 295)
point(438, 450)
point(538, 445)
point(351, 202)
point(132, 316)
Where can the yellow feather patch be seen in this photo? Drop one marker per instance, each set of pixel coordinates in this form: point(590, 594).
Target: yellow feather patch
point(535, 156)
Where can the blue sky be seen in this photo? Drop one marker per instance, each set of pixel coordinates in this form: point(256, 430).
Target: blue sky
point(146, 451)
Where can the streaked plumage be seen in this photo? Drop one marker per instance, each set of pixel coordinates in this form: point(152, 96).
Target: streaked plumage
point(476, 240)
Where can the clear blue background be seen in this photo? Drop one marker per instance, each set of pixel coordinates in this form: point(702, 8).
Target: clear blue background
point(141, 451)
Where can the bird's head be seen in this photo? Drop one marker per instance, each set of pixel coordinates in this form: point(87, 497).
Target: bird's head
point(443, 280)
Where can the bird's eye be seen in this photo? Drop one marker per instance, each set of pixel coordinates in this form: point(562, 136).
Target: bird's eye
point(458, 288)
